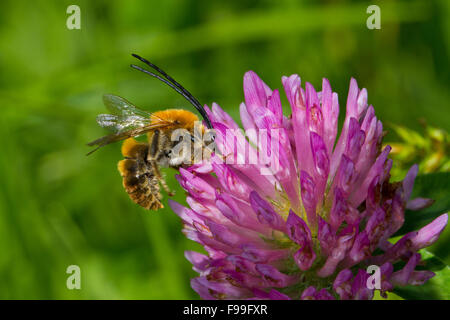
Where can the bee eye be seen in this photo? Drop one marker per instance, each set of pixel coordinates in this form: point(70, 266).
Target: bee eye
point(177, 122)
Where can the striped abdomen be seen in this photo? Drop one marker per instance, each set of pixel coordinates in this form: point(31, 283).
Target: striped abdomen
point(139, 179)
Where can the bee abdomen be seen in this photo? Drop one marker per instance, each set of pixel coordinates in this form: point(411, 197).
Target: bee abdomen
point(140, 183)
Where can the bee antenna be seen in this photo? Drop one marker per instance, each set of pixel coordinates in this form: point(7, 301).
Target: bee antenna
point(174, 85)
point(170, 84)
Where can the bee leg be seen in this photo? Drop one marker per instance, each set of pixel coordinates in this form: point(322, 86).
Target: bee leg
point(153, 155)
point(161, 178)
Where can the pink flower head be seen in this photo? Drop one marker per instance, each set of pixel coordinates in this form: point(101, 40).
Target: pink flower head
point(306, 219)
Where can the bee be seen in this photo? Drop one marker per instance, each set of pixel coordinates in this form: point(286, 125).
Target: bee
point(140, 168)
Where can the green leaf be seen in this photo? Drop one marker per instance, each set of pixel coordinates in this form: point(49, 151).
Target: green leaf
point(436, 288)
point(411, 137)
point(390, 296)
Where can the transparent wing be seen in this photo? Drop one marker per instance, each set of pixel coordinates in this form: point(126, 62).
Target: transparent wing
point(126, 121)
point(116, 123)
point(122, 107)
point(122, 135)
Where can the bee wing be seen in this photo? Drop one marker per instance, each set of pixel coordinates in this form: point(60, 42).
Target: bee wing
point(122, 135)
point(121, 123)
point(126, 121)
point(122, 107)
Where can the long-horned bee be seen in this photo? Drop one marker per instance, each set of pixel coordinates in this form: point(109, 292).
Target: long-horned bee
point(140, 168)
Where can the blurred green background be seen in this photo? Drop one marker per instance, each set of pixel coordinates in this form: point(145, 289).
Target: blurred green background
point(59, 207)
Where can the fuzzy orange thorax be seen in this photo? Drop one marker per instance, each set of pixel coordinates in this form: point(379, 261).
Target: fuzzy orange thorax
point(179, 117)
